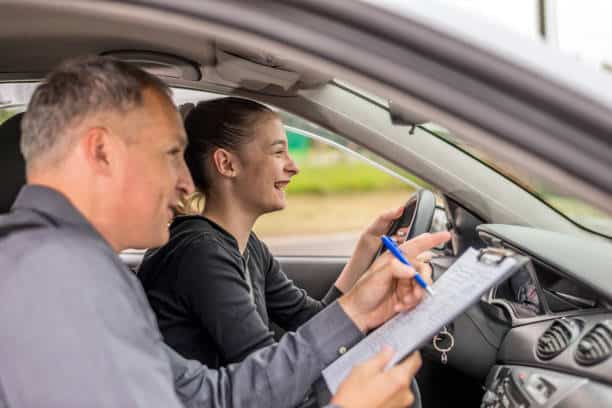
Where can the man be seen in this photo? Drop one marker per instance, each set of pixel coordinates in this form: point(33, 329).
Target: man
point(103, 146)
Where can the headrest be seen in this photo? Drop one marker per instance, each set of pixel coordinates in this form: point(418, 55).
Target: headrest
point(185, 108)
point(13, 164)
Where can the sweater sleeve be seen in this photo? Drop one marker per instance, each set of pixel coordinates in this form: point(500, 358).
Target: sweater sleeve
point(210, 284)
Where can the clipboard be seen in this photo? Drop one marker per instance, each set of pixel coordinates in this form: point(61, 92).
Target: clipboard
point(468, 278)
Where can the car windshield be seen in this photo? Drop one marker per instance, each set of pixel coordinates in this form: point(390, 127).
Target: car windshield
point(572, 207)
point(573, 29)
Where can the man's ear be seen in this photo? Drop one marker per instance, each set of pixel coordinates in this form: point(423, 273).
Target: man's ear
point(225, 162)
point(97, 145)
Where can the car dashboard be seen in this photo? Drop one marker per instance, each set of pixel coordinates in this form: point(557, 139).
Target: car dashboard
point(556, 346)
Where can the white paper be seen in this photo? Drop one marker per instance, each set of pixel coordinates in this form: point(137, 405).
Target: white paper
point(458, 288)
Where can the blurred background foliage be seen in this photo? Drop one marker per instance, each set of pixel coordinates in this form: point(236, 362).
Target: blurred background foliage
point(6, 113)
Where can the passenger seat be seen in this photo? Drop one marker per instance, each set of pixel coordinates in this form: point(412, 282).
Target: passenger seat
point(13, 163)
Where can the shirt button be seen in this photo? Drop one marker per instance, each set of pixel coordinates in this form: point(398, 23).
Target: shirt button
point(342, 350)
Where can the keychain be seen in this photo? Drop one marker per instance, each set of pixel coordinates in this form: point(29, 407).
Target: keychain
point(440, 337)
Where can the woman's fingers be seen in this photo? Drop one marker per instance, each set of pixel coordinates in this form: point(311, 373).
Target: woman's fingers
point(393, 214)
point(400, 235)
point(382, 223)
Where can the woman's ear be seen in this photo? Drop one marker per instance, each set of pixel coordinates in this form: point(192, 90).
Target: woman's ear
point(225, 162)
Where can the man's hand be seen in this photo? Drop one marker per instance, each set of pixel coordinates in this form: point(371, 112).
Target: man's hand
point(370, 385)
point(366, 248)
point(389, 287)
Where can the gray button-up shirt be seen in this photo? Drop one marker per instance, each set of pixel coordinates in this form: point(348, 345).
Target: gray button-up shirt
point(76, 329)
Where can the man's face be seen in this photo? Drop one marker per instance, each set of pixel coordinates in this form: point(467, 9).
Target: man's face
point(152, 174)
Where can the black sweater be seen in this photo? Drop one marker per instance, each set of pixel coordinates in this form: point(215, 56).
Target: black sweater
point(198, 287)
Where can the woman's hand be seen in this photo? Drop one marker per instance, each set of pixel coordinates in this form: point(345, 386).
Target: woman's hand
point(366, 248)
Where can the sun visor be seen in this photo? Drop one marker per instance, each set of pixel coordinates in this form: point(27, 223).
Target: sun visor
point(251, 75)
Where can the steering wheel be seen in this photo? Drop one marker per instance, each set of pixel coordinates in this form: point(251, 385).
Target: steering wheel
point(417, 215)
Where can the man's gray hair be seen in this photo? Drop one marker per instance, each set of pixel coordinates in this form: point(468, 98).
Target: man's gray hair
point(78, 88)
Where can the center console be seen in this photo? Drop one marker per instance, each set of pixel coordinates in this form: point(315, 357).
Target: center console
point(523, 387)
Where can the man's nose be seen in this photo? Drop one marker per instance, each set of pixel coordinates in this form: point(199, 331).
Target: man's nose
point(185, 182)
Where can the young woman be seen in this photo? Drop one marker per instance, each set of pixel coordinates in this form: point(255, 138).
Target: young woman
point(215, 287)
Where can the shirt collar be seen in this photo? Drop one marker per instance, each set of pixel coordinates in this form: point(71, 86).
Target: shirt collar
point(53, 205)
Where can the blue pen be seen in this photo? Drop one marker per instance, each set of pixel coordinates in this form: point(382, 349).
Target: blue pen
point(393, 248)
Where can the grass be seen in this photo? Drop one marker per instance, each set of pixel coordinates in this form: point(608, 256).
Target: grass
point(573, 207)
point(582, 213)
point(331, 195)
point(6, 114)
point(343, 177)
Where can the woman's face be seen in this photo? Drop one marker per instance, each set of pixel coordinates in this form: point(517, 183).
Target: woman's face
point(265, 168)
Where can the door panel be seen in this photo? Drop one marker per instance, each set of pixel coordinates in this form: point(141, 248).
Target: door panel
point(314, 274)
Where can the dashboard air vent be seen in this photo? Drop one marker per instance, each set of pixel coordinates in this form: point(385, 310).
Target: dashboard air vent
point(596, 345)
point(557, 337)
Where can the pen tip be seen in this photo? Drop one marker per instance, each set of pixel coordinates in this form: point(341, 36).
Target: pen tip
point(430, 291)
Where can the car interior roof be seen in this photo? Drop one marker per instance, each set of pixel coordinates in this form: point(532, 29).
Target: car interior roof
point(218, 62)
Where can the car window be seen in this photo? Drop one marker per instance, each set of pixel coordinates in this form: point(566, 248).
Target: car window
point(340, 189)
point(14, 98)
point(5, 114)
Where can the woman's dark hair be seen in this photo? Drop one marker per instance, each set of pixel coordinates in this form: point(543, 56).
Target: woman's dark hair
point(226, 123)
